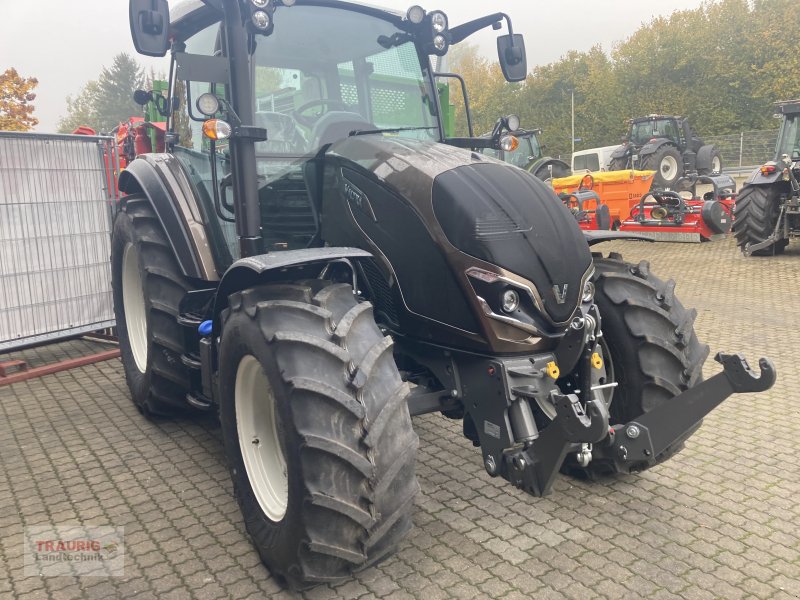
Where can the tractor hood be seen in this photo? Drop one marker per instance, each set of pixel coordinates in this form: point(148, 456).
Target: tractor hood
point(428, 206)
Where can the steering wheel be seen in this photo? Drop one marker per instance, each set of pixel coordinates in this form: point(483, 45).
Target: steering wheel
point(308, 120)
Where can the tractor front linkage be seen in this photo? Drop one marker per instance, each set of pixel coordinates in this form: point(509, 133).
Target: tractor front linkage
point(628, 447)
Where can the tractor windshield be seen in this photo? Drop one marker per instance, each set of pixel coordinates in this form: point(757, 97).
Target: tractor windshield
point(643, 131)
point(325, 72)
point(789, 138)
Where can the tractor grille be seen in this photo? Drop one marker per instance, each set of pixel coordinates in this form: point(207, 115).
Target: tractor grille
point(287, 217)
point(381, 293)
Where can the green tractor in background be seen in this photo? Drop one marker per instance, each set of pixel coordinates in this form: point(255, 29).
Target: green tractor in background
point(529, 155)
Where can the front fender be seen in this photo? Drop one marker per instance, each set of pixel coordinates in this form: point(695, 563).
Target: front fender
point(653, 146)
point(265, 268)
point(623, 151)
point(540, 170)
point(162, 179)
point(597, 236)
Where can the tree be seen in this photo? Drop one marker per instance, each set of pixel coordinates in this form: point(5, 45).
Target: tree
point(81, 110)
point(106, 102)
point(16, 95)
point(490, 95)
point(113, 101)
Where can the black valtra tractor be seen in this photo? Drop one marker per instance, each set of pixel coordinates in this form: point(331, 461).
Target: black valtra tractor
point(767, 213)
point(668, 146)
point(312, 243)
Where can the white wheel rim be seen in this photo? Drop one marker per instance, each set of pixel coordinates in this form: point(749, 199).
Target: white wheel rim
point(133, 304)
point(716, 166)
point(256, 425)
point(669, 168)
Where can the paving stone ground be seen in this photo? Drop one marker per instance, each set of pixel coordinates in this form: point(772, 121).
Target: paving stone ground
point(720, 520)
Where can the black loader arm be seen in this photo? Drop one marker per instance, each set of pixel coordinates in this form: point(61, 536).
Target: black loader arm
point(629, 446)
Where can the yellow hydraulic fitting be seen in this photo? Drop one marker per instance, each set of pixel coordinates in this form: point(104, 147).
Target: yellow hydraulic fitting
point(553, 370)
point(597, 360)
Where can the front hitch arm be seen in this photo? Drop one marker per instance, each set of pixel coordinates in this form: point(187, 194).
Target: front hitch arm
point(636, 444)
point(640, 442)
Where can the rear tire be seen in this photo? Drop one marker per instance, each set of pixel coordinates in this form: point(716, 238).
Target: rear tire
point(667, 162)
point(755, 215)
point(339, 420)
point(654, 351)
point(147, 288)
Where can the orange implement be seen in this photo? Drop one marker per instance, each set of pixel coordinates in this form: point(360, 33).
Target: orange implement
point(620, 190)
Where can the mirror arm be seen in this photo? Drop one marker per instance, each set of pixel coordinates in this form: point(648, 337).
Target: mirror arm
point(466, 98)
point(463, 31)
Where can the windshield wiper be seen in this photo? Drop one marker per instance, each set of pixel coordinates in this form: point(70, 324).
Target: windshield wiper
point(389, 130)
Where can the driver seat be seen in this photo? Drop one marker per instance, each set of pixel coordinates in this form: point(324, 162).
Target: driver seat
point(337, 125)
point(283, 136)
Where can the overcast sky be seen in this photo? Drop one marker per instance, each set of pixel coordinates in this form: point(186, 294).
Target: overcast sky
point(65, 43)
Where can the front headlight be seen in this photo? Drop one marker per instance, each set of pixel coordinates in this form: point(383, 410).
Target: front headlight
point(588, 292)
point(509, 301)
point(438, 21)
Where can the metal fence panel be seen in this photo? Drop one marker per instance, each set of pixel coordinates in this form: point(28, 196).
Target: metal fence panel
point(746, 148)
point(56, 203)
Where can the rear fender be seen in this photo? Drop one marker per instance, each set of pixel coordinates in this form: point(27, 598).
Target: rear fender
point(704, 156)
point(288, 265)
point(758, 178)
point(161, 178)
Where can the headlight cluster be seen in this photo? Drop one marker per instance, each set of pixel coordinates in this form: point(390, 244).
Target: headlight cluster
point(432, 27)
point(504, 300)
point(261, 12)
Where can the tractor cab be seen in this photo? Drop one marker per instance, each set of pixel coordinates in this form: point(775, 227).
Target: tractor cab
point(642, 132)
point(262, 88)
point(789, 135)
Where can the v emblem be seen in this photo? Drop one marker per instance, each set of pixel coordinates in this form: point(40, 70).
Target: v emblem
point(560, 294)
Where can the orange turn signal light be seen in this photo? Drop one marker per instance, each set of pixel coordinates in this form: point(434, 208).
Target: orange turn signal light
point(509, 143)
point(216, 129)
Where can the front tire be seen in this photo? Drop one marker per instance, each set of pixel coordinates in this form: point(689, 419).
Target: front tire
point(653, 349)
point(316, 430)
point(715, 164)
point(618, 164)
point(667, 162)
point(755, 216)
point(147, 287)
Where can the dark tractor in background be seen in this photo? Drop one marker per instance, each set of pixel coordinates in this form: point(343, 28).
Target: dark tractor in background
point(312, 243)
point(668, 146)
point(767, 213)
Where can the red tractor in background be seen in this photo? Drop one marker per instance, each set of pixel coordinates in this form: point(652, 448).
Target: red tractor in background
point(136, 135)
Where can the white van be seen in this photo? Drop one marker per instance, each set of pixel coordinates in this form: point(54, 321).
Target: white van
point(592, 159)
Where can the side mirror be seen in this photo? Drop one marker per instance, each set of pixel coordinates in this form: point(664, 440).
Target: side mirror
point(141, 97)
point(149, 20)
point(511, 54)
